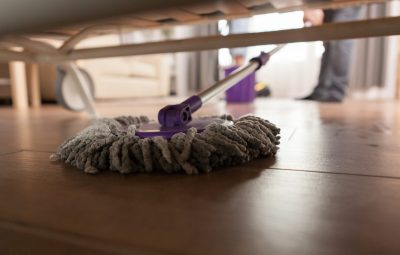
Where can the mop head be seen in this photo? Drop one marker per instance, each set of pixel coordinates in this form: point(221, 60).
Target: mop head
point(111, 144)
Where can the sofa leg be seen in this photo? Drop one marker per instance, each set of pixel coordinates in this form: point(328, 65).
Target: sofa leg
point(34, 85)
point(19, 93)
point(83, 88)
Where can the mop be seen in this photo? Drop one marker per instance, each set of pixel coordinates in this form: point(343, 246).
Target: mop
point(178, 142)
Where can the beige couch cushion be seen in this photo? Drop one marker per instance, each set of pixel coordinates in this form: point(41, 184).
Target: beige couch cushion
point(129, 67)
point(120, 87)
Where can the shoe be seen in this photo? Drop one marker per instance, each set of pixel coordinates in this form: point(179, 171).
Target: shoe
point(325, 96)
point(309, 97)
point(330, 99)
point(312, 96)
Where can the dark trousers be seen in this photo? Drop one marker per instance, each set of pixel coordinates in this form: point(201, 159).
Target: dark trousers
point(335, 64)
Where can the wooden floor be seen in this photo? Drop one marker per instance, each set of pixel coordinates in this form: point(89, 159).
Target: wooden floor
point(334, 188)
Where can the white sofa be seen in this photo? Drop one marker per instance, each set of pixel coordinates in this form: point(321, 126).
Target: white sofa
point(126, 77)
point(119, 77)
point(129, 77)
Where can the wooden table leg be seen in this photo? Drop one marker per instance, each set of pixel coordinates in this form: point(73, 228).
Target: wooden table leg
point(398, 69)
point(19, 92)
point(34, 85)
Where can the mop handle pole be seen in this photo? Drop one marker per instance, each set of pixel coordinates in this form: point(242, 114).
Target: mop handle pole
point(237, 75)
point(181, 114)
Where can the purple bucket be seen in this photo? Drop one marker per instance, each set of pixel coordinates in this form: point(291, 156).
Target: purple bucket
point(243, 91)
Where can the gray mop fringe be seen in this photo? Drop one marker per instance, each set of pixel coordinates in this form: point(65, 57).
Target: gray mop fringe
point(111, 144)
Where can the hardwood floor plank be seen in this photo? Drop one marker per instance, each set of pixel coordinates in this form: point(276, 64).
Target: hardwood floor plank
point(332, 189)
point(353, 137)
point(14, 241)
point(37, 129)
point(240, 210)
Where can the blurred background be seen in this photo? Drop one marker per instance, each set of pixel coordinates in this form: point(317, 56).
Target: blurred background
point(290, 74)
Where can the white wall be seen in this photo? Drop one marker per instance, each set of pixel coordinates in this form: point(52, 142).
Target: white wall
point(294, 70)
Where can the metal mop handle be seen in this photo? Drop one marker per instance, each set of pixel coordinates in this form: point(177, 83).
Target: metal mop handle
point(181, 114)
point(239, 74)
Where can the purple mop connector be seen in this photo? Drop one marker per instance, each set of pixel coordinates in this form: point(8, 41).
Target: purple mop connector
point(179, 114)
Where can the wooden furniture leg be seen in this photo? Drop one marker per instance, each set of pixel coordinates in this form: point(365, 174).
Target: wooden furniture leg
point(34, 85)
point(398, 69)
point(19, 93)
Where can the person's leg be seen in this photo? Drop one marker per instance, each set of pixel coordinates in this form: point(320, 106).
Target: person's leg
point(335, 63)
point(325, 74)
point(340, 64)
point(325, 68)
point(341, 57)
